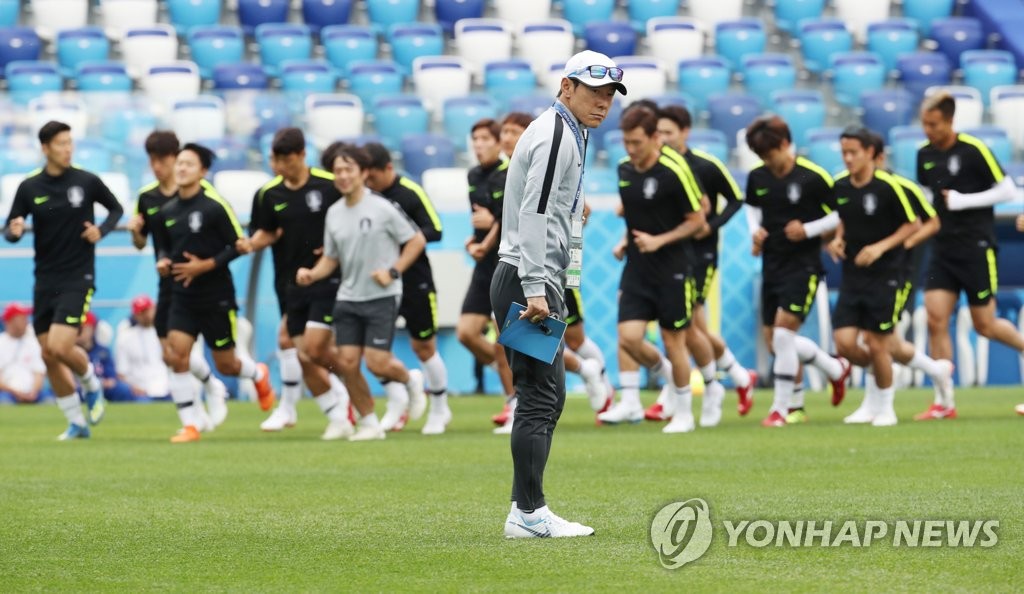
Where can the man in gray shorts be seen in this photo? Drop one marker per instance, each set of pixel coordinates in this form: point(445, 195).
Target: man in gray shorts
point(373, 242)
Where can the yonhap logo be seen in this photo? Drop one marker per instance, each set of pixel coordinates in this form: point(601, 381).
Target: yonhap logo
point(681, 532)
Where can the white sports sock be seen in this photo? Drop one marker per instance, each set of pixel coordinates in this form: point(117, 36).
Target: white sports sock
point(370, 420)
point(438, 403)
point(71, 406)
point(809, 352)
point(89, 381)
point(579, 361)
point(630, 382)
point(709, 373)
point(684, 398)
point(923, 362)
point(589, 350)
point(737, 373)
point(396, 391)
point(785, 368)
point(291, 377)
point(886, 399)
point(199, 366)
point(184, 397)
point(871, 393)
point(249, 369)
point(330, 405)
point(338, 387)
point(797, 399)
point(663, 369)
point(435, 374)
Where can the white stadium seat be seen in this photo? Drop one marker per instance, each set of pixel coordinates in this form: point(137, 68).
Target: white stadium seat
point(447, 188)
point(541, 42)
point(201, 118)
point(332, 116)
point(238, 187)
point(120, 15)
point(479, 41)
point(144, 46)
point(437, 78)
point(54, 15)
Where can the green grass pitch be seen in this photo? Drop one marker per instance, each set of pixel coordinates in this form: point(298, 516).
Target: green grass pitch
point(245, 511)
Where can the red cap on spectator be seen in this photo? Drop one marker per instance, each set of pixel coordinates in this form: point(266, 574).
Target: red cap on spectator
point(16, 309)
point(90, 319)
point(141, 304)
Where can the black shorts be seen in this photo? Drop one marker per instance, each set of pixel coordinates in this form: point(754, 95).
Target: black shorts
point(573, 307)
point(874, 306)
point(59, 306)
point(792, 291)
point(366, 323)
point(478, 296)
point(419, 309)
point(668, 300)
point(281, 290)
point(704, 276)
point(971, 269)
point(217, 323)
point(163, 307)
point(309, 308)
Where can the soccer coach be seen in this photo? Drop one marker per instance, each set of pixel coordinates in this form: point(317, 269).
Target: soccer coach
point(539, 256)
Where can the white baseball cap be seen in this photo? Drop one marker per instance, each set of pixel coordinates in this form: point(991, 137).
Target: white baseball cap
point(578, 68)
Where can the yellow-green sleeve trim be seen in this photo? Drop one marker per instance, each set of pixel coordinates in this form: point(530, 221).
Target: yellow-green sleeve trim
point(212, 193)
point(676, 168)
point(898, 188)
point(721, 167)
point(427, 204)
point(321, 173)
point(143, 190)
point(990, 159)
point(915, 190)
point(817, 169)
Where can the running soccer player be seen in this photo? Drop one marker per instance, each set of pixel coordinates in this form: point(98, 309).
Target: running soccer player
point(790, 204)
point(196, 236)
point(60, 199)
point(966, 181)
point(373, 242)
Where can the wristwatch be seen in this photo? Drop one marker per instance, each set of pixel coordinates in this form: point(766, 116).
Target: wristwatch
point(394, 273)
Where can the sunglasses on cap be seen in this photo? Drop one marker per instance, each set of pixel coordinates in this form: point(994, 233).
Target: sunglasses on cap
point(597, 71)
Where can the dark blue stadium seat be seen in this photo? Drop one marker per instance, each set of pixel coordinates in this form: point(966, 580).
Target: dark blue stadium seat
point(923, 12)
point(227, 77)
point(611, 38)
point(253, 13)
point(921, 70)
point(369, 79)
point(231, 154)
point(789, 13)
point(679, 99)
point(282, 41)
point(892, 38)
point(702, 77)
point(884, 109)
point(448, 12)
point(764, 74)
point(985, 69)
point(955, 35)
point(213, 45)
point(736, 39)
point(102, 76)
point(344, 44)
point(534, 104)
point(185, 14)
point(397, 115)
point(318, 14)
point(74, 46)
point(820, 39)
point(18, 43)
point(732, 112)
point(855, 72)
point(426, 151)
point(412, 40)
point(803, 110)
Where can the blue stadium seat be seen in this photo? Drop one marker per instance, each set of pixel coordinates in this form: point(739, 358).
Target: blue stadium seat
point(369, 79)
point(93, 154)
point(709, 141)
point(272, 112)
point(448, 12)
point(102, 76)
point(344, 44)
point(903, 144)
point(228, 77)
point(997, 140)
point(613, 147)
point(534, 105)
point(18, 43)
point(789, 13)
point(460, 113)
point(412, 40)
point(119, 128)
point(803, 110)
point(921, 70)
point(854, 73)
point(641, 11)
point(232, 154)
point(823, 149)
point(74, 46)
point(985, 69)
point(601, 181)
point(736, 39)
point(611, 38)
point(955, 35)
point(702, 77)
point(185, 14)
point(820, 39)
point(582, 12)
point(303, 77)
point(9, 12)
point(398, 115)
point(764, 74)
point(892, 38)
point(213, 45)
point(508, 78)
point(884, 109)
point(732, 112)
point(678, 99)
point(280, 41)
point(253, 13)
point(923, 12)
point(426, 151)
point(384, 13)
point(27, 79)
point(318, 14)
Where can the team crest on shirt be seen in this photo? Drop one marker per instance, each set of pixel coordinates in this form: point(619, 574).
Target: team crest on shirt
point(195, 221)
point(954, 164)
point(650, 187)
point(793, 193)
point(364, 225)
point(870, 204)
point(76, 196)
point(314, 200)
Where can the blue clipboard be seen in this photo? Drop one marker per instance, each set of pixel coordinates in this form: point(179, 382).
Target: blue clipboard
point(540, 341)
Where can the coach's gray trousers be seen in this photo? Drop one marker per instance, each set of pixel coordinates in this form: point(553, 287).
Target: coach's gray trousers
point(540, 390)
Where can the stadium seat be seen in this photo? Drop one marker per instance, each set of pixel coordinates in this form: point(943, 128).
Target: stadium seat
point(102, 76)
point(923, 12)
point(508, 78)
point(803, 110)
point(970, 109)
point(213, 45)
point(920, 70)
point(460, 113)
point(447, 188)
point(672, 39)
point(732, 112)
point(253, 13)
point(426, 151)
point(823, 149)
point(333, 116)
point(1007, 109)
point(395, 116)
point(534, 105)
point(231, 154)
point(18, 43)
point(69, 110)
point(127, 127)
point(121, 15)
point(344, 44)
point(449, 12)
point(300, 77)
point(858, 13)
point(228, 77)
point(263, 114)
point(541, 42)
point(955, 35)
point(736, 39)
point(611, 38)
point(892, 38)
point(318, 14)
point(820, 39)
point(144, 46)
point(479, 41)
point(641, 12)
point(903, 144)
point(854, 73)
point(710, 141)
point(986, 69)
point(198, 119)
point(764, 74)
point(884, 109)
point(27, 79)
point(644, 76)
point(166, 83)
point(438, 78)
point(74, 46)
point(583, 12)
point(9, 10)
point(703, 77)
point(789, 13)
point(280, 41)
point(522, 12)
point(614, 148)
point(412, 40)
point(712, 12)
point(238, 187)
point(678, 99)
point(384, 13)
point(52, 16)
point(369, 79)
point(185, 14)
point(601, 181)
point(996, 139)
point(552, 78)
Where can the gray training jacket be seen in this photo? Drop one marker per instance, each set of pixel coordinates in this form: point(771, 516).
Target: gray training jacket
point(539, 192)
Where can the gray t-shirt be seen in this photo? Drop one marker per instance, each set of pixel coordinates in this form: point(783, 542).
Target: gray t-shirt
point(364, 238)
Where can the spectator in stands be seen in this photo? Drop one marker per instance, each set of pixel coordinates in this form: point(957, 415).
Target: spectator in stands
point(102, 361)
point(21, 359)
point(139, 356)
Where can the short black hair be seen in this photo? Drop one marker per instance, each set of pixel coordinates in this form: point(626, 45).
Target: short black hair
point(767, 133)
point(206, 156)
point(351, 152)
point(644, 103)
point(877, 142)
point(51, 129)
point(678, 115)
point(288, 141)
point(861, 135)
point(379, 155)
point(489, 124)
point(327, 155)
point(162, 143)
point(639, 117)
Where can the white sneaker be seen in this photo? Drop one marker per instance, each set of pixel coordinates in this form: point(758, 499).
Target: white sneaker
point(278, 420)
point(886, 418)
point(711, 405)
point(597, 392)
point(682, 422)
point(505, 429)
point(621, 413)
point(668, 403)
point(216, 401)
point(546, 525)
point(392, 419)
point(861, 416)
point(365, 433)
point(417, 397)
point(944, 382)
point(203, 421)
point(437, 421)
point(339, 429)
